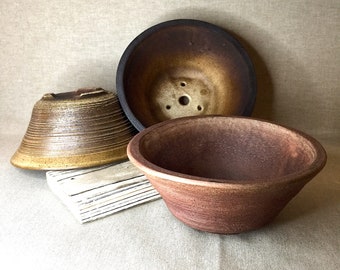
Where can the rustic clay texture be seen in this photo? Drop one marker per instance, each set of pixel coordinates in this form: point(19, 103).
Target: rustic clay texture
point(184, 68)
point(226, 174)
point(78, 129)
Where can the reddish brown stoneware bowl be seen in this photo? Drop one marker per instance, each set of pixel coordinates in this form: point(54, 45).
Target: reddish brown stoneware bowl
point(226, 174)
point(184, 68)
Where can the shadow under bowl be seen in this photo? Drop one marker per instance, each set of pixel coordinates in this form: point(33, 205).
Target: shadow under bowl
point(226, 174)
point(183, 68)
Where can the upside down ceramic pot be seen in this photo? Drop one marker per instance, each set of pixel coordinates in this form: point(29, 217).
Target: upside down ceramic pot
point(226, 174)
point(77, 129)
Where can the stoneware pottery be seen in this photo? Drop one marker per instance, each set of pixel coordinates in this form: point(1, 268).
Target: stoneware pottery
point(226, 174)
point(184, 68)
point(78, 129)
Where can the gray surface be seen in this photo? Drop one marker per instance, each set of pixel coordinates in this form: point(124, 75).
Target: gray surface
point(61, 45)
point(38, 232)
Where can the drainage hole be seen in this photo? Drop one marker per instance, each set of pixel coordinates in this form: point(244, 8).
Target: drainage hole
point(184, 100)
point(183, 84)
point(168, 107)
point(199, 108)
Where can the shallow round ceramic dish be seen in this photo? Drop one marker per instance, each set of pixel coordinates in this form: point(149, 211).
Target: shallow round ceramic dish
point(184, 68)
point(226, 174)
point(78, 129)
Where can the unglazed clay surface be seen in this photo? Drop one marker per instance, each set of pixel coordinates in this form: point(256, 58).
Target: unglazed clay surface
point(226, 174)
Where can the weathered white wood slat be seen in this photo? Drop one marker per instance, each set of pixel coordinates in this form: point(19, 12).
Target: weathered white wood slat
point(94, 193)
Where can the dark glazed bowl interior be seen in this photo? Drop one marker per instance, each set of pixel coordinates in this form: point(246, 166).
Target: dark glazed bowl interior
point(76, 129)
point(184, 68)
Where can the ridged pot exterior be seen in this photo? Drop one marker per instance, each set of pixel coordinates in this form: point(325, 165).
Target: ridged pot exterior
point(226, 210)
point(78, 129)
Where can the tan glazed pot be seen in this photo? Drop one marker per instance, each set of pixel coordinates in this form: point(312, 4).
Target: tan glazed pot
point(77, 129)
point(226, 174)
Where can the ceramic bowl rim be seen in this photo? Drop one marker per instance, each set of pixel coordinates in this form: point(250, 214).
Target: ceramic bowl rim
point(152, 169)
point(190, 22)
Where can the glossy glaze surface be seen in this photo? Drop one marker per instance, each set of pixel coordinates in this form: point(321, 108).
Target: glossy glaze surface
point(78, 129)
point(183, 68)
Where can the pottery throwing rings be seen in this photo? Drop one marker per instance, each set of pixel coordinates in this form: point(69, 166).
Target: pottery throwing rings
point(77, 129)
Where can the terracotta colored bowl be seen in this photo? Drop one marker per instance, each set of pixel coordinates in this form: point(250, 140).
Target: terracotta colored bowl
point(76, 129)
point(226, 174)
point(183, 68)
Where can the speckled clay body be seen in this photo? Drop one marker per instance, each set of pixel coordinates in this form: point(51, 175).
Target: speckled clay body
point(226, 174)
